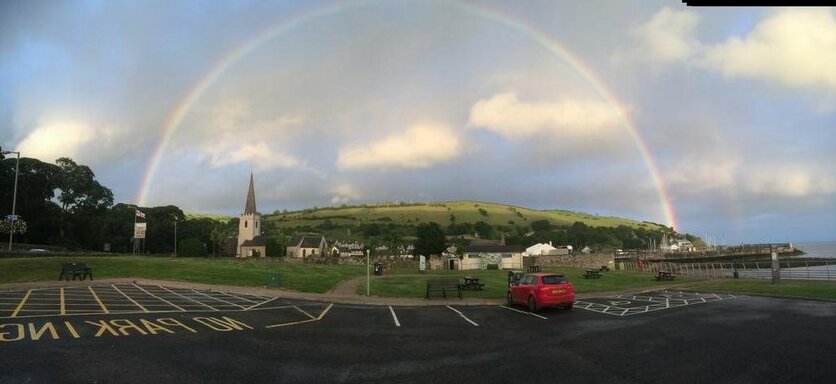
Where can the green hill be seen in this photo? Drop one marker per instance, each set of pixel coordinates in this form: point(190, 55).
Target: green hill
point(401, 218)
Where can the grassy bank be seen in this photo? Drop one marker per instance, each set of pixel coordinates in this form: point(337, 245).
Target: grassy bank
point(299, 277)
point(405, 283)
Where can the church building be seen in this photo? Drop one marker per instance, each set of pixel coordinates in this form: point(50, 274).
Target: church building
point(250, 241)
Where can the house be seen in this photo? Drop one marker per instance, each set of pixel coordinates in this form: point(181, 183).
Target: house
point(307, 245)
point(682, 245)
point(346, 249)
point(488, 256)
point(251, 243)
point(543, 249)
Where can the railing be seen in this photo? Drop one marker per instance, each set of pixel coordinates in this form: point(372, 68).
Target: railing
point(791, 270)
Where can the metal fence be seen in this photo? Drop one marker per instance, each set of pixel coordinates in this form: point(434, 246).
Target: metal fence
point(791, 270)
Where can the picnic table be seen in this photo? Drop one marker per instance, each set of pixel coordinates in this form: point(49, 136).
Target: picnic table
point(534, 268)
point(472, 283)
point(80, 270)
point(592, 274)
point(664, 275)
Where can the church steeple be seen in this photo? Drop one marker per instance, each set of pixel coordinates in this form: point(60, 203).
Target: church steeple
point(250, 206)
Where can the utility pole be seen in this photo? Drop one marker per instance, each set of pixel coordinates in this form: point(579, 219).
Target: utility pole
point(368, 278)
point(175, 237)
point(14, 196)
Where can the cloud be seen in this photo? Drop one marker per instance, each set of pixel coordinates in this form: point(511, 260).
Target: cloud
point(698, 173)
point(794, 47)
point(420, 146)
point(344, 193)
point(57, 139)
point(668, 36)
point(260, 155)
point(790, 182)
point(506, 115)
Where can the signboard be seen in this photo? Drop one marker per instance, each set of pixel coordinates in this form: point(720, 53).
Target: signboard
point(422, 263)
point(139, 230)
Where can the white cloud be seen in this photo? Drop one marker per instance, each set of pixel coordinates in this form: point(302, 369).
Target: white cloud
point(344, 193)
point(420, 146)
point(506, 115)
point(57, 139)
point(260, 155)
point(793, 47)
point(696, 174)
point(790, 182)
point(668, 36)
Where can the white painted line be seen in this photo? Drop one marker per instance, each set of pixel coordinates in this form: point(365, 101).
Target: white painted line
point(129, 298)
point(463, 316)
point(259, 304)
point(238, 297)
point(215, 298)
point(524, 312)
point(160, 298)
point(394, 317)
point(307, 314)
point(189, 298)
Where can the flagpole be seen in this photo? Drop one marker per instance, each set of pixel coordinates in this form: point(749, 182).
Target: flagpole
point(134, 229)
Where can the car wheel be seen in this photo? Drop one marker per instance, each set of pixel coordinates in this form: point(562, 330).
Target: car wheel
point(510, 300)
point(569, 306)
point(532, 304)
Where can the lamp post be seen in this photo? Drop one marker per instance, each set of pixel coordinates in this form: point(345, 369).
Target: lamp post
point(14, 195)
point(368, 279)
point(175, 237)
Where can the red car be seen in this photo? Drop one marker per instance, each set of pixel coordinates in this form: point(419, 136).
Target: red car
point(538, 290)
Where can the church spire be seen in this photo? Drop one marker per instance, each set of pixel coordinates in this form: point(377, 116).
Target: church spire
point(250, 206)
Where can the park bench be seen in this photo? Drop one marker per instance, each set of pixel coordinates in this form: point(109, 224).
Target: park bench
point(443, 286)
point(592, 274)
point(80, 270)
point(664, 275)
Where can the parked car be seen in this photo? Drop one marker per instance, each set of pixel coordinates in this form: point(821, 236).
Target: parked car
point(538, 290)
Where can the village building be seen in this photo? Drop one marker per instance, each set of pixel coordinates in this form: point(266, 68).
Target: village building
point(251, 243)
point(307, 245)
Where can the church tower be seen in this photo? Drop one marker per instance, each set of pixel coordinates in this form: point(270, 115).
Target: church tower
point(249, 227)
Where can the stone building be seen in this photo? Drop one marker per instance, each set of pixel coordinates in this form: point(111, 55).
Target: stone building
point(251, 243)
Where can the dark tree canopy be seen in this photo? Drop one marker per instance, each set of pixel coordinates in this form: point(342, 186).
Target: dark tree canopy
point(430, 239)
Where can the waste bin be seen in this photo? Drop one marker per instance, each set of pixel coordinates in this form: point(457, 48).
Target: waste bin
point(736, 275)
point(273, 281)
point(378, 269)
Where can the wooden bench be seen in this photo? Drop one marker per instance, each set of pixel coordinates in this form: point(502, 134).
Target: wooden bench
point(443, 286)
point(80, 270)
point(664, 275)
point(534, 268)
point(592, 274)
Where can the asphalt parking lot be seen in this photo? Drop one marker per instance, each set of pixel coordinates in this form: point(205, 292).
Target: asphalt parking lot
point(144, 333)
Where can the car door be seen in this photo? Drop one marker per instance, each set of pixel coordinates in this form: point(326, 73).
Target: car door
point(523, 289)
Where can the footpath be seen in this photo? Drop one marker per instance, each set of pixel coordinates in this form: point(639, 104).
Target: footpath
point(343, 293)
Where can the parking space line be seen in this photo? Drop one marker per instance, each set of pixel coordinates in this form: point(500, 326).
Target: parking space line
point(160, 298)
point(318, 318)
point(63, 307)
point(463, 316)
point(215, 298)
point(260, 304)
point(130, 298)
point(524, 312)
point(307, 314)
point(394, 317)
point(189, 298)
point(22, 302)
point(238, 297)
point(98, 300)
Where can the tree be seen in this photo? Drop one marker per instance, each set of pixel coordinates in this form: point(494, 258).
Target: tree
point(191, 247)
point(430, 239)
point(483, 229)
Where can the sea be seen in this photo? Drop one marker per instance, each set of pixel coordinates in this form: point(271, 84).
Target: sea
point(818, 248)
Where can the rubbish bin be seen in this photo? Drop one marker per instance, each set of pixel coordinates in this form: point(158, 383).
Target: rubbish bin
point(273, 281)
point(736, 275)
point(378, 269)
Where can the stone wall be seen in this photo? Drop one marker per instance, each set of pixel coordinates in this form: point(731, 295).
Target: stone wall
point(593, 260)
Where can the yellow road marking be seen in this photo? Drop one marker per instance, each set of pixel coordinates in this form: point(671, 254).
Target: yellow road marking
point(129, 298)
point(63, 308)
point(318, 318)
point(237, 297)
point(160, 298)
point(189, 298)
point(98, 301)
point(23, 301)
point(259, 304)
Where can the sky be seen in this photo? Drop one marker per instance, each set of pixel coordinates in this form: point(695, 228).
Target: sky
point(719, 122)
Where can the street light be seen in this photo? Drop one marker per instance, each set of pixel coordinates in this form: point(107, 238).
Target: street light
point(14, 195)
point(368, 280)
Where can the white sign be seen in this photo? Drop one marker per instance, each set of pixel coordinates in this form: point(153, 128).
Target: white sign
point(139, 230)
point(422, 263)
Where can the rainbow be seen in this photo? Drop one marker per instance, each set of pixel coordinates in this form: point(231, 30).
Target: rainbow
point(174, 120)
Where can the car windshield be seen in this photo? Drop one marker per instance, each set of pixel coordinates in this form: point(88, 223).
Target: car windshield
point(554, 279)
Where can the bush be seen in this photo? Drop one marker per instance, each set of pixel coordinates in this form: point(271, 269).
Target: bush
point(191, 247)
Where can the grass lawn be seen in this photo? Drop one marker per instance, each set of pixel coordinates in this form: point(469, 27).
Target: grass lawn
point(405, 283)
point(787, 288)
point(299, 277)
